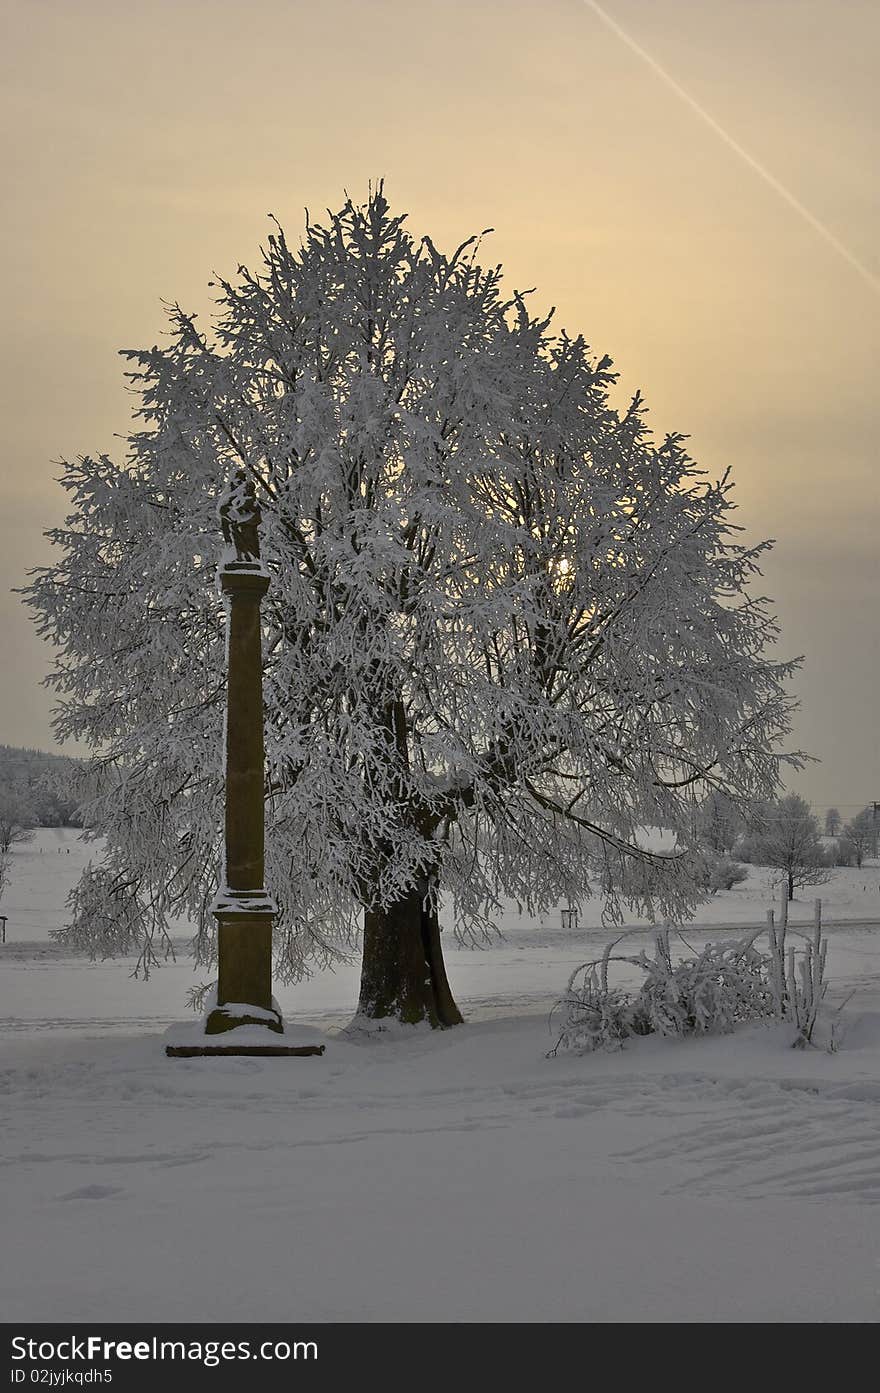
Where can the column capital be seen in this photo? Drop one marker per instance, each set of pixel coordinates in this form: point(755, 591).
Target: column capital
point(243, 578)
point(231, 904)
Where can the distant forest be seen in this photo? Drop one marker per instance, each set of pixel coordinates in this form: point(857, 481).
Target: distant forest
point(32, 778)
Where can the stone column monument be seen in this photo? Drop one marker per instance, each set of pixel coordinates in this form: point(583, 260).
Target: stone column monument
point(245, 1019)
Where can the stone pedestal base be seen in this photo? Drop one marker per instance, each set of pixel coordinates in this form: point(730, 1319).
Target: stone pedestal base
point(244, 954)
point(190, 1041)
point(194, 1051)
point(244, 1018)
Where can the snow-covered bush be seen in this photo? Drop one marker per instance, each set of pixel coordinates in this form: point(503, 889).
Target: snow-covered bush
point(798, 978)
point(707, 993)
point(721, 872)
point(727, 874)
point(710, 992)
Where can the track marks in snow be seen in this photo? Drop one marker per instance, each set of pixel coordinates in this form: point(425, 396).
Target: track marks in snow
point(698, 1133)
point(783, 1138)
point(93, 1192)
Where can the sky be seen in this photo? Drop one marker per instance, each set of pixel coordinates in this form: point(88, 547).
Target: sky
point(692, 183)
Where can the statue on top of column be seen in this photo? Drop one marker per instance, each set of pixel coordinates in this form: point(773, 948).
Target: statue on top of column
point(240, 517)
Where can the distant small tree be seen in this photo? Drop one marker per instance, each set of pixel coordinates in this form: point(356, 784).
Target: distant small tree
point(832, 822)
point(861, 833)
point(719, 823)
point(785, 836)
point(842, 852)
point(16, 816)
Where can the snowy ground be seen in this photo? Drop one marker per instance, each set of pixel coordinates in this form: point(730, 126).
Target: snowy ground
point(453, 1176)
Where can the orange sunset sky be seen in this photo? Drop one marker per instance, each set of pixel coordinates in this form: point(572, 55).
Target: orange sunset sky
point(630, 158)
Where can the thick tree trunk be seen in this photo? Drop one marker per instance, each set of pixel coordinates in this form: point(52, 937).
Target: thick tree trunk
point(790, 885)
point(403, 975)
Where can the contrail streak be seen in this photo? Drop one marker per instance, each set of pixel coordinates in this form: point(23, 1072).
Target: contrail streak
point(761, 170)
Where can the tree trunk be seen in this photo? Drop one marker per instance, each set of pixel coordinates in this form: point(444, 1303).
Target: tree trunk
point(790, 885)
point(403, 975)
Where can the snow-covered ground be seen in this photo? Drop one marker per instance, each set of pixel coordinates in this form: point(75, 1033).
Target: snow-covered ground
point(46, 869)
point(451, 1176)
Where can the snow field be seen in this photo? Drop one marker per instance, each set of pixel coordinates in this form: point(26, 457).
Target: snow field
point(447, 1176)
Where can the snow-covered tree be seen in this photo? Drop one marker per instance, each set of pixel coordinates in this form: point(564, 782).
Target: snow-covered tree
point(16, 820)
point(841, 852)
point(31, 778)
point(785, 836)
point(507, 631)
point(861, 834)
point(832, 822)
point(720, 822)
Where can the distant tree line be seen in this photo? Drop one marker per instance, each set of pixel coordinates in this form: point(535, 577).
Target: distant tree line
point(784, 835)
point(32, 788)
point(858, 838)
